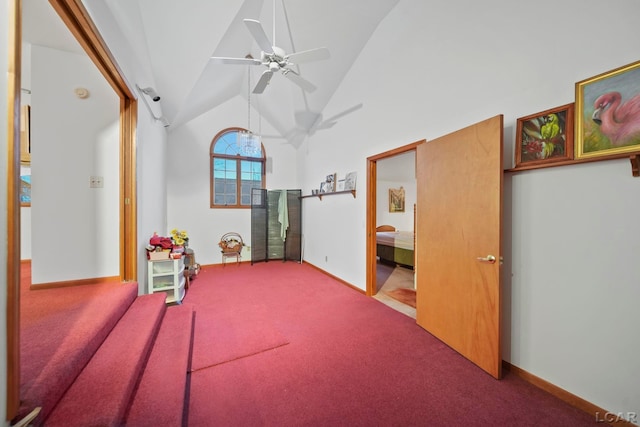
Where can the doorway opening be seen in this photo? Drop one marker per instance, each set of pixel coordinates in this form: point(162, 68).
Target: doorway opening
point(391, 197)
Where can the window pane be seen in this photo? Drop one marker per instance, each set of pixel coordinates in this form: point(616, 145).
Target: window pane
point(224, 181)
point(227, 144)
point(251, 176)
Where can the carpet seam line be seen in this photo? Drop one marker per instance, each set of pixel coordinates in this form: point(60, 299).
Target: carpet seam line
point(237, 358)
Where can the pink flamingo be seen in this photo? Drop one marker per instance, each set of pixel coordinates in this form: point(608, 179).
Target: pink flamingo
point(619, 123)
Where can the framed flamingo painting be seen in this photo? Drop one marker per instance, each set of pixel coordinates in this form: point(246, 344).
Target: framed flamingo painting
point(545, 138)
point(608, 113)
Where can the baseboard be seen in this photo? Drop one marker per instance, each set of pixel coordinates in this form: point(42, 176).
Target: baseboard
point(355, 288)
point(599, 415)
point(80, 282)
point(222, 264)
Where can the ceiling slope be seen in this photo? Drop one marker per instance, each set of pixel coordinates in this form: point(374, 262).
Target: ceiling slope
point(182, 36)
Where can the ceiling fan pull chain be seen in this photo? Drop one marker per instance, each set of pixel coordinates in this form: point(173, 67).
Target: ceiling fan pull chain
point(249, 99)
point(274, 24)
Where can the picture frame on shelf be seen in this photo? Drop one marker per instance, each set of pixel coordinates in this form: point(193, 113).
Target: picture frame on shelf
point(340, 185)
point(350, 181)
point(608, 113)
point(323, 187)
point(330, 183)
point(545, 138)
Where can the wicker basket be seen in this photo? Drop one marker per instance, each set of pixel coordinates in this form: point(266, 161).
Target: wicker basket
point(236, 248)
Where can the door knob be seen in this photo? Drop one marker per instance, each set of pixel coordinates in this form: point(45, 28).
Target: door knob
point(489, 258)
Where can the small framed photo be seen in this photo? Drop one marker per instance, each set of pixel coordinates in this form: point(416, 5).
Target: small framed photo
point(330, 183)
point(350, 181)
point(545, 138)
point(323, 187)
point(340, 185)
point(396, 199)
point(608, 113)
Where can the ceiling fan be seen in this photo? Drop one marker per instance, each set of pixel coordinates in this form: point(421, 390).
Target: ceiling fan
point(275, 59)
point(310, 122)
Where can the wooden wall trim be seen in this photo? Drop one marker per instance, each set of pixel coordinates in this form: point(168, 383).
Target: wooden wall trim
point(70, 283)
point(128, 200)
point(600, 415)
point(13, 207)
point(403, 149)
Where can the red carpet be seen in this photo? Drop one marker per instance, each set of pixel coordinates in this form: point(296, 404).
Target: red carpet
point(224, 336)
point(101, 394)
point(282, 344)
point(349, 360)
point(157, 387)
point(60, 331)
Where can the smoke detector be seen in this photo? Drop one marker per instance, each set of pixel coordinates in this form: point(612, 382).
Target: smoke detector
point(81, 92)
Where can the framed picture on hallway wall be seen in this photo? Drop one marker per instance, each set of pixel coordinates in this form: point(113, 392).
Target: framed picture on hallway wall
point(545, 137)
point(608, 113)
point(396, 199)
point(25, 190)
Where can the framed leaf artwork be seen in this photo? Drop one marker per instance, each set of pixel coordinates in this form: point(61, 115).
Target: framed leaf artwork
point(545, 138)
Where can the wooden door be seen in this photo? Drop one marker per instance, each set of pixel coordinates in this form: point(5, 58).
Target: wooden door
point(458, 231)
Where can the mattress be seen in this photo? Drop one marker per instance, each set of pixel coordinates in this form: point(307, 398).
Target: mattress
point(396, 239)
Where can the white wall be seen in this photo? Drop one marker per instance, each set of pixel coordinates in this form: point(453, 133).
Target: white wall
point(151, 136)
point(571, 286)
point(188, 180)
point(72, 139)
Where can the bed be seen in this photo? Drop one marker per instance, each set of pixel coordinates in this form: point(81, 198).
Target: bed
point(395, 247)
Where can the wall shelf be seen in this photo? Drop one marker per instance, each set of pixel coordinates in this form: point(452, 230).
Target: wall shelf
point(321, 195)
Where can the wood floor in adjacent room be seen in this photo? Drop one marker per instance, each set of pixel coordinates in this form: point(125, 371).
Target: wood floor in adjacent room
point(389, 278)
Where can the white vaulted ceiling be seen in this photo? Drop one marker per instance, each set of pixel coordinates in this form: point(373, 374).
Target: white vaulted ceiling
point(175, 40)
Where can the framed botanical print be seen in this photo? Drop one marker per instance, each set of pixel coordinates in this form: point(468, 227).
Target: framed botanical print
point(545, 137)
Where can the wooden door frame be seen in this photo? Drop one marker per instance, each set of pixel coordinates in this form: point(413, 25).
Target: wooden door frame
point(372, 187)
point(77, 19)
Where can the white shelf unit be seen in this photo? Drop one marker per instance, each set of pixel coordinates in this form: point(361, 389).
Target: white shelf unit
point(167, 276)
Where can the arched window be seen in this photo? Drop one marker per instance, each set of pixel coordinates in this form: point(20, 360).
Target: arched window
point(237, 165)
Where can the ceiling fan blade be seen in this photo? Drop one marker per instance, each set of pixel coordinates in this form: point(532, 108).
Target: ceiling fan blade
point(325, 125)
point(235, 61)
point(265, 78)
point(256, 30)
point(306, 119)
point(309, 55)
point(306, 85)
point(337, 116)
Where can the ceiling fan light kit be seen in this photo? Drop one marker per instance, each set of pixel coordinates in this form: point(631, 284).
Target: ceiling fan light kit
point(250, 144)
